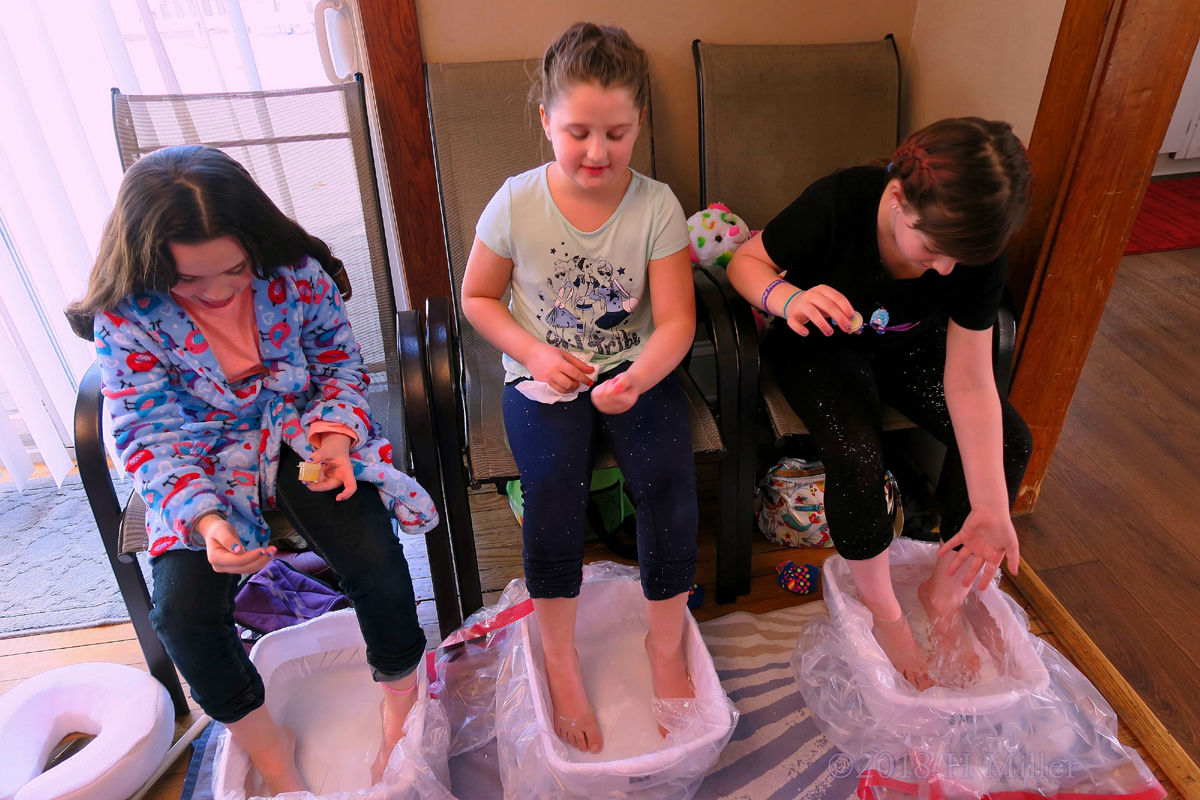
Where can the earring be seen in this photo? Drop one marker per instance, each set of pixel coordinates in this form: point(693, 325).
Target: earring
point(893, 208)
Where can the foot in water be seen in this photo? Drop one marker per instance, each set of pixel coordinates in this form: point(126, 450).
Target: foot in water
point(574, 720)
point(277, 765)
point(948, 631)
point(393, 711)
point(896, 639)
point(668, 668)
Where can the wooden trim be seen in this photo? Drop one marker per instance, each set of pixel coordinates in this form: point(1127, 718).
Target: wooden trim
point(1128, 704)
point(393, 45)
point(1114, 78)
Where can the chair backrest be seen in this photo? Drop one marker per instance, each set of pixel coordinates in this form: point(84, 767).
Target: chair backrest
point(310, 151)
point(486, 129)
point(775, 118)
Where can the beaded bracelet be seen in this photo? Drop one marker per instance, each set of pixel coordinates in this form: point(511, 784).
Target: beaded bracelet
point(767, 293)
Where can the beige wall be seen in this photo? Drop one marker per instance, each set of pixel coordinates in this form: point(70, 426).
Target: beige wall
point(487, 30)
point(985, 58)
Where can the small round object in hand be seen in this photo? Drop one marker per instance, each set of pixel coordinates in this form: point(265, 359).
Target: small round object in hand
point(856, 322)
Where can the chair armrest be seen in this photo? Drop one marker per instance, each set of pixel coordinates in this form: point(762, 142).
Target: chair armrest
point(1004, 341)
point(742, 318)
point(93, 462)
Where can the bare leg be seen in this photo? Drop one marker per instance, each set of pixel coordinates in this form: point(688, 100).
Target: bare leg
point(272, 750)
point(574, 720)
point(664, 646)
point(943, 596)
point(398, 699)
point(874, 580)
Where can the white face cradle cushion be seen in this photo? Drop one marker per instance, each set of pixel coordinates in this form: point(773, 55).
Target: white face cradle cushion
point(127, 710)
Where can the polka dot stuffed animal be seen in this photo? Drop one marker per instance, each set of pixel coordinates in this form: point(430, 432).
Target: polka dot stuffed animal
point(715, 233)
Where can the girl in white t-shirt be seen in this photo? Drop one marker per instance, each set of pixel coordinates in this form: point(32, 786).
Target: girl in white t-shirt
point(584, 243)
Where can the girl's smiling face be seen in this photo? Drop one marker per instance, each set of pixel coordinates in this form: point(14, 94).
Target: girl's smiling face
point(211, 273)
point(592, 130)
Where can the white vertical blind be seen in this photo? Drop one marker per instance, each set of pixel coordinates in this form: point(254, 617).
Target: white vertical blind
point(59, 168)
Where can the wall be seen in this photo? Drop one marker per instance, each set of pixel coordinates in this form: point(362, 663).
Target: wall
point(979, 58)
point(487, 30)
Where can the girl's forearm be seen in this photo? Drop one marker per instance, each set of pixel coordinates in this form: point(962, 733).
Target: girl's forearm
point(495, 322)
point(664, 351)
point(751, 276)
point(978, 430)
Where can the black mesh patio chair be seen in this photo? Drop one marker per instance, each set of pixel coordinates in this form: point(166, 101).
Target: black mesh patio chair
point(773, 119)
point(485, 129)
point(310, 151)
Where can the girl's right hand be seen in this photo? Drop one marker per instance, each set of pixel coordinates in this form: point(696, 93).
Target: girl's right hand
point(818, 305)
point(558, 368)
point(225, 550)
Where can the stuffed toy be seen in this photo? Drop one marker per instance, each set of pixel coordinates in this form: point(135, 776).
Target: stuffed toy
point(715, 233)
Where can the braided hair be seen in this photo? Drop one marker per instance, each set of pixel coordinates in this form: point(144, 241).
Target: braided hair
point(967, 181)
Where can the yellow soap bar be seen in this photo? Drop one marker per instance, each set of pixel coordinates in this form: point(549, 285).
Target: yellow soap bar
point(309, 472)
point(856, 322)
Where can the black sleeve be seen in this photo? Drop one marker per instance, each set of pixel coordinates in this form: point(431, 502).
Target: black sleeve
point(975, 305)
point(800, 237)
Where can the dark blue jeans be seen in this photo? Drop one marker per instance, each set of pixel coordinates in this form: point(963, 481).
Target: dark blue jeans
point(193, 605)
point(553, 447)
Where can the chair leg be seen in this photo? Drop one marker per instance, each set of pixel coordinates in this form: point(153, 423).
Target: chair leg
point(447, 410)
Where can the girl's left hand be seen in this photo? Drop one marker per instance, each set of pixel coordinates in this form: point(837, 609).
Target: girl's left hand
point(616, 396)
point(987, 538)
point(336, 469)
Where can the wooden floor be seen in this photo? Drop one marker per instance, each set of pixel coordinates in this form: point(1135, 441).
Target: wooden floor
point(1116, 531)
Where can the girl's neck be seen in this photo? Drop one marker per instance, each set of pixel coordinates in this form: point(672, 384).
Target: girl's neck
point(894, 263)
point(586, 209)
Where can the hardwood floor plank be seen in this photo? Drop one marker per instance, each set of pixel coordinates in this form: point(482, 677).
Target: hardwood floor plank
point(64, 639)
point(1127, 641)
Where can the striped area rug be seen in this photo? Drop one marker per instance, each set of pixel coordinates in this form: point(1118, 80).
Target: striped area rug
point(776, 751)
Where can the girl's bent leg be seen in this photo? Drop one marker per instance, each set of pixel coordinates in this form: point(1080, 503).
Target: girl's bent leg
point(193, 616)
point(356, 538)
point(552, 445)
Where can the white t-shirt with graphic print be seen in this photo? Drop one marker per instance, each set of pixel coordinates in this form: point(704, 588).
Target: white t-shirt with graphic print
point(583, 292)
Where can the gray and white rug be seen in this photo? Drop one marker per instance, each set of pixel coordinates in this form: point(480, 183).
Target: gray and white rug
point(54, 574)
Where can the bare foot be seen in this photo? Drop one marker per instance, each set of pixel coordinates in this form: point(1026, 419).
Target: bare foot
point(394, 713)
point(574, 720)
point(948, 627)
point(896, 639)
point(276, 764)
point(670, 673)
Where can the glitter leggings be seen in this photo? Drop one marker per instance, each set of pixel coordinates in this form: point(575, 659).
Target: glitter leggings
point(553, 446)
point(837, 392)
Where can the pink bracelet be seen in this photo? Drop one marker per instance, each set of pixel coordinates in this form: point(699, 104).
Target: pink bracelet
point(409, 690)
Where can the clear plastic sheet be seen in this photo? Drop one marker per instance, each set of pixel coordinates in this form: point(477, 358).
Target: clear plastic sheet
point(1035, 726)
point(319, 684)
point(535, 763)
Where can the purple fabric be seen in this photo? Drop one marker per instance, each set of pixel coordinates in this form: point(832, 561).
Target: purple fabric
point(279, 595)
point(311, 564)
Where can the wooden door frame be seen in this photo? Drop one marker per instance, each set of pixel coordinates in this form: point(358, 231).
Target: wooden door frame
point(393, 44)
point(1114, 78)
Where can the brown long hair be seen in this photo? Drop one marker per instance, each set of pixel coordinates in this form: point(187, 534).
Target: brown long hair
point(588, 53)
point(967, 180)
point(186, 194)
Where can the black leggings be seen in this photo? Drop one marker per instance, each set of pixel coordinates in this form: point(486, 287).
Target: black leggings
point(837, 391)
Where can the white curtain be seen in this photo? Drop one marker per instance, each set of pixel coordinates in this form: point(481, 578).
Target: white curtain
point(59, 168)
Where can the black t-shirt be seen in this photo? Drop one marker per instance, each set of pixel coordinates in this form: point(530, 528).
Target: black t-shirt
point(828, 236)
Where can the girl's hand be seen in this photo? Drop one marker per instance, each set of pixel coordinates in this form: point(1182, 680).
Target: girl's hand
point(987, 539)
point(816, 305)
point(225, 550)
point(616, 396)
point(558, 368)
point(336, 469)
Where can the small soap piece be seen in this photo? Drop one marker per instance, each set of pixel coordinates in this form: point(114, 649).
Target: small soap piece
point(310, 472)
point(856, 322)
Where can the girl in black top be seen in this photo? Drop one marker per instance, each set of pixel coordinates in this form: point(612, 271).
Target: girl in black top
point(901, 271)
